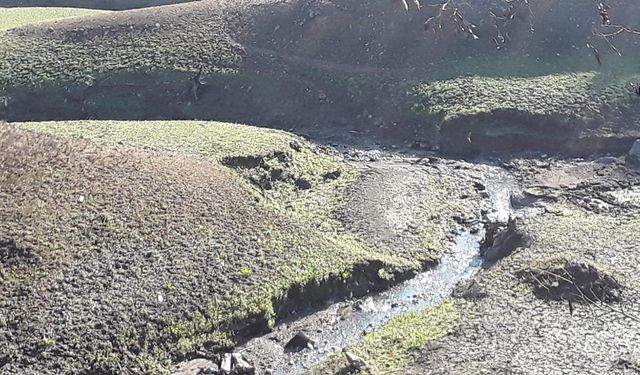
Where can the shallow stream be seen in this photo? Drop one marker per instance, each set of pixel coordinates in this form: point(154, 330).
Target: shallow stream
point(341, 325)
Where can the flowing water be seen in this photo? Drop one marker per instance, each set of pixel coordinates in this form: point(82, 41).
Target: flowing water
point(338, 326)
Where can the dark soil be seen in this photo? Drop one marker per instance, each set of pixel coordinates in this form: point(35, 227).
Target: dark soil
point(500, 241)
point(576, 282)
point(12, 254)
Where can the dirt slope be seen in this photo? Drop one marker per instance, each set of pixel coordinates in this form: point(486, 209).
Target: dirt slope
point(105, 251)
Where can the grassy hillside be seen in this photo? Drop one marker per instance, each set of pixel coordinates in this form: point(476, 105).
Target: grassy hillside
point(146, 241)
point(156, 38)
point(274, 64)
point(92, 4)
point(16, 17)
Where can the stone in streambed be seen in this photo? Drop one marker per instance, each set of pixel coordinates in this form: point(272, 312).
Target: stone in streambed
point(633, 158)
point(298, 342)
point(225, 365)
point(241, 366)
point(194, 367)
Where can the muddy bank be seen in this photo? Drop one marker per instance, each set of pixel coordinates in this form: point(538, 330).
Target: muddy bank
point(344, 323)
point(569, 302)
point(514, 131)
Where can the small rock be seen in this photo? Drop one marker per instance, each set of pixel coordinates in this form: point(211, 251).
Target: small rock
point(356, 363)
point(81, 199)
point(298, 342)
point(358, 305)
point(225, 365)
point(303, 184)
point(332, 175)
point(295, 145)
point(241, 366)
point(213, 369)
point(345, 311)
point(479, 186)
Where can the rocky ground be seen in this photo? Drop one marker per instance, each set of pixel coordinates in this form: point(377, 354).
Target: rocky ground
point(574, 277)
point(568, 302)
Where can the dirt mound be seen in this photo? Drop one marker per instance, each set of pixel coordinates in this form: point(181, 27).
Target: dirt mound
point(130, 244)
point(500, 241)
point(573, 281)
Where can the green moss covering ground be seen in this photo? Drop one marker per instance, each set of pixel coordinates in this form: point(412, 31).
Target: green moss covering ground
point(587, 95)
point(215, 140)
point(81, 50)
point(566, 93)
point(390, 348)
point(16, 17)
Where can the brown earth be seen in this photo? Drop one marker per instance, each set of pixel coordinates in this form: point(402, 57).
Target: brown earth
point(87, 226)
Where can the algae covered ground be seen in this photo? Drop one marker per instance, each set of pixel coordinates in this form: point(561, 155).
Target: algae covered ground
point(16, 17)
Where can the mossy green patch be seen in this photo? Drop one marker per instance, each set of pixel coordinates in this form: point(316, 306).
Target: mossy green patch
point(87, 51)
point(390, 348)
point(563, 93)
point(16, 17)
point(211, 139)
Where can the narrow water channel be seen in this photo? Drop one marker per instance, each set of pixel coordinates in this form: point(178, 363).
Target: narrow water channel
point(340, 326)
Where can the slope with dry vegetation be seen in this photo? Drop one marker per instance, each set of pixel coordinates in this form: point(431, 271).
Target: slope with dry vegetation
point(149, 241)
